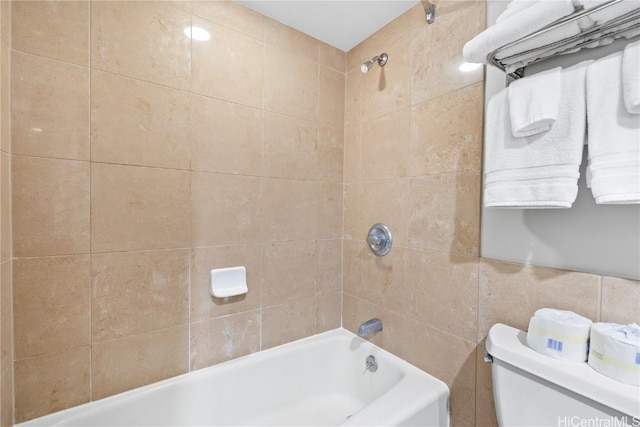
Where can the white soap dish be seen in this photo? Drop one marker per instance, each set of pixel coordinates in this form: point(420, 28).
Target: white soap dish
point(228, 282)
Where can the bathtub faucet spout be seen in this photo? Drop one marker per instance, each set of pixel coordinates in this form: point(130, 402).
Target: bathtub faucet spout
point(369, 327)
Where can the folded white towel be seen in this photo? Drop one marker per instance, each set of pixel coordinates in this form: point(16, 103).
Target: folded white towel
point(514, 7)
point(611, 12)
point(540, 170)
point(631, 77)
point(534, 102)
point(614, 135)
point(516, 26)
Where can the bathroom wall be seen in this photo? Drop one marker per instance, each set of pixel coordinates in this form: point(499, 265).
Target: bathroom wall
point(6, 315)
point(142, 159)
point(413, 155)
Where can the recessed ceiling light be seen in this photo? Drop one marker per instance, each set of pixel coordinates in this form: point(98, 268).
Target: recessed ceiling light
point(469, 66)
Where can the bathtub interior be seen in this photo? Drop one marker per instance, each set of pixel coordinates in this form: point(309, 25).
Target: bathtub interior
point(320, 380)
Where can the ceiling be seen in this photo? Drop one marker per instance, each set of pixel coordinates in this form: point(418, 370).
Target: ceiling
point(340, 23)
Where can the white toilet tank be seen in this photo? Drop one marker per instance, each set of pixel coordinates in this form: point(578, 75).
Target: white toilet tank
point(531, 389)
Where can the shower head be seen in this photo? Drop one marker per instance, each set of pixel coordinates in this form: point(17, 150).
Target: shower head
point(366, 65)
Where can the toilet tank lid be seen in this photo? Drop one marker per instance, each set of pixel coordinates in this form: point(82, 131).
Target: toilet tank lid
point(509, 345)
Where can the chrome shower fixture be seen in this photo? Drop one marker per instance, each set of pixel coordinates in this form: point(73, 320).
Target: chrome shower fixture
point(366, 65)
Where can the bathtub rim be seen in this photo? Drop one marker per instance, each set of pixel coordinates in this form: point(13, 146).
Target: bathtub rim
point(439, 391)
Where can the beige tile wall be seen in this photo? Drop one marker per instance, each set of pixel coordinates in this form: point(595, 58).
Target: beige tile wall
point(143, 159)
point(412, 159)
point(6, 264)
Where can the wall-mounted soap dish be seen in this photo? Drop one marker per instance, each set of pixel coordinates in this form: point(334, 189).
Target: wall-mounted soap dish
point(228, 282)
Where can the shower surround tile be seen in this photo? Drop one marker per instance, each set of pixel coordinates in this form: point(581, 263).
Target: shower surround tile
point(291, 84)
point(444, 213)
point(6, 319)
point(443, 291)
point(238, 62)
point(386, 89)
point(287, 322)
point(51, 382)
point(291, 148)
point(138, 208)
point(225, 137)
point(225, 209)
point(331, 98)
point(138, 292)
point(232, 15)
point(291, 40)
point(328, 312)
point(289, 272)
point(290, 210)
point(50, 206)
point(446, 133)
point(504, 286)
point(6, 246)
point(142, 39)
point(218, 340)
point(620, 300)
point(437, 53)
point(52, 300)
point(53, 29)
point(126, 363)
point(138, 123)
point(203, 306)
point(332, 57)
point(385, 146)
point(49, 108)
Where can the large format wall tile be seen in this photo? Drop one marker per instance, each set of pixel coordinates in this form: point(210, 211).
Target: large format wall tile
point(225, 137)
point(235, 72)
point(291, 84)
point(142, 39)
point(55, 29)
point(5, 208)
point(50, 206)
point(218, 340)
point(225, 209)
point(443, 291)
point(290, 211)
point(384, 146)
point(51, 382)
point(203, 305)
point(437, 53)
point(134, 361)
point(291, 40)
point(287, 322)
point(6, 319)
point(138, 292)
point(290, 147)
point(138, 123)
point(444, 213)
point(289, 271)
point(446, 133)
point(620, 300)
point(138, 208)
point(52, 304)
point(49, 108)
point(504, 286)
point(232, 15)
point(331, 98)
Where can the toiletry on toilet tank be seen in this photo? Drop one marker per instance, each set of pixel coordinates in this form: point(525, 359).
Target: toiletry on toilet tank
point(615, 351)
point(559, 333)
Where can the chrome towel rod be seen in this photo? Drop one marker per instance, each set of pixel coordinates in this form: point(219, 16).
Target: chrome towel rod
point(615, 27)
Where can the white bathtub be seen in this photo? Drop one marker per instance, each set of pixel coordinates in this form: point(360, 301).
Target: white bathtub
point(320, 380)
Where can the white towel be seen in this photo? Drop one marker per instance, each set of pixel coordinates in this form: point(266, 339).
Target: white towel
point(611, 12)
point(514, 7)
point(518, 25)
point(614, 135)
point(534, 102)
point(631, 77)
point(540, 170)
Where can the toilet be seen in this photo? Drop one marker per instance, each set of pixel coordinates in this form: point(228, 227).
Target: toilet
point(531, 389)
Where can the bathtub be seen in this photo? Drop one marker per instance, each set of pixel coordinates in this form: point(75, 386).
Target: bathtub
point(320, 380)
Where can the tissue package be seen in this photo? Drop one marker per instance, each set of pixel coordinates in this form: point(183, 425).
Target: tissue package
point(615, 351)
point(560, 334)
